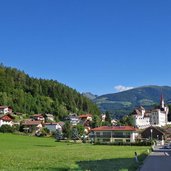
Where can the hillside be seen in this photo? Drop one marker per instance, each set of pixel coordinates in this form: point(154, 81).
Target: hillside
point(124, 102)
point(31, 95)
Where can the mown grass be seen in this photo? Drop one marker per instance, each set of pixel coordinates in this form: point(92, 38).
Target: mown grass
point(22, 153)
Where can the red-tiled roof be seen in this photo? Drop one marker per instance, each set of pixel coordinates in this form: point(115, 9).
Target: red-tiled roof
point(114, 128)
point(85, 115)
point(5, 118)
point(31, 123)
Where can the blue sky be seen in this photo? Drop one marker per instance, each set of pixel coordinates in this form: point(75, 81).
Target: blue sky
point(91, 46)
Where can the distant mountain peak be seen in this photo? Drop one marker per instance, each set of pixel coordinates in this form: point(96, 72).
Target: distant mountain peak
point(90, 95)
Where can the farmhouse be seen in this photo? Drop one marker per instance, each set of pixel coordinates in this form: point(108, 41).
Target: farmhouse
point(5, 120)
point(114, 134)
point(30, 126)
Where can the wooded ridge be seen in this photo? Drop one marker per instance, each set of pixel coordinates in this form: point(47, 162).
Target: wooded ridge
point(30, 95)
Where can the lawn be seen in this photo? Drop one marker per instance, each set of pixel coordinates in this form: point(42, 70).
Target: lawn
point(31, 153)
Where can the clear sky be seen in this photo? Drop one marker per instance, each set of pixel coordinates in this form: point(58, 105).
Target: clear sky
point(89, 45)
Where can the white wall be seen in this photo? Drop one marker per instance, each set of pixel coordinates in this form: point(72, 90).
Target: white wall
point(53, 127)
point(5, 123)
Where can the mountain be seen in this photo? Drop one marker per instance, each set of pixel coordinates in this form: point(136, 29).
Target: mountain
point(124, 102)
point(90, 95)
point(31, 95)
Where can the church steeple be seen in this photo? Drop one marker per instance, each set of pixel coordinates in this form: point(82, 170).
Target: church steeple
point(162, 105)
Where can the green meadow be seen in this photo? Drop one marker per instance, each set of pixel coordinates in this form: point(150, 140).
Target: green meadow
point(20, 153)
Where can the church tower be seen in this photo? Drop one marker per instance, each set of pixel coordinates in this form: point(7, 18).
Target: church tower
point(162, 105)
point(164, 108)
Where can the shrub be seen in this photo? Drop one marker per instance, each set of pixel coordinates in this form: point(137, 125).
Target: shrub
point(6, 129)
point(124, 143)
point(43, 132)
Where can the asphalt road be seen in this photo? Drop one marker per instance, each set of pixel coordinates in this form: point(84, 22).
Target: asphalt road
point(159, 160)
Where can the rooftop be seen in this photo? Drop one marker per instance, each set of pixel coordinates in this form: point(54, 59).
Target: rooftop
point(5, 118)
point(114, 128)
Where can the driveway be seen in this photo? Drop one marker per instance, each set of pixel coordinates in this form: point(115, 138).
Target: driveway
point(158, 160)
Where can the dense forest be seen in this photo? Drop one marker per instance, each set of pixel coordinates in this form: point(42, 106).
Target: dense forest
point(31, 95)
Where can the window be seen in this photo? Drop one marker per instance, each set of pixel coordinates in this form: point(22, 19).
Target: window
point(106, 134)
point(118, 140)
point(98, 134)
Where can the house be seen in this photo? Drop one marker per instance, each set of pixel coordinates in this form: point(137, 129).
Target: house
point(85, 119)
point(73, 118)
point(31, 125)
point(114, 134)
point(155, 117)
point(4, 110)
point(49, 117)
point(37, 117)
point(141, 118)
point(52, 127)
point(6, 120)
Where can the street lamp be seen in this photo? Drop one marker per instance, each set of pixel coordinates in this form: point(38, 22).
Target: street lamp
point(151, 130)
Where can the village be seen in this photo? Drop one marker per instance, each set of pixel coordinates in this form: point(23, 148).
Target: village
point(148, 125)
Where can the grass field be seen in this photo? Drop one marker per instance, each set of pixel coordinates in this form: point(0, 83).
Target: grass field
point(22, 153)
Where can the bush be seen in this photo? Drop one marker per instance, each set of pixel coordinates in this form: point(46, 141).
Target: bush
point(6, 129)
point(43, 132)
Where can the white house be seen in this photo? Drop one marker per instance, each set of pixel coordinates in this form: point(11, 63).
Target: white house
point(5, 120)
point(4, 110)
point(73, 118)
point(141, 118)
point(54, 126)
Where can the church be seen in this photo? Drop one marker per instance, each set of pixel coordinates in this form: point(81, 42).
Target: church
point(155, 117)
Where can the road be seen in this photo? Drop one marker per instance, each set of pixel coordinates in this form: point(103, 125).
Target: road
point(159, 160)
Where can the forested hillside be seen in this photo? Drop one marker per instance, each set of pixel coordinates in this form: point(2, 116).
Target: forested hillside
point(30, 95)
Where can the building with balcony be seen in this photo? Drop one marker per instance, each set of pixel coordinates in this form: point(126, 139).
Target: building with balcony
point(114, 134)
